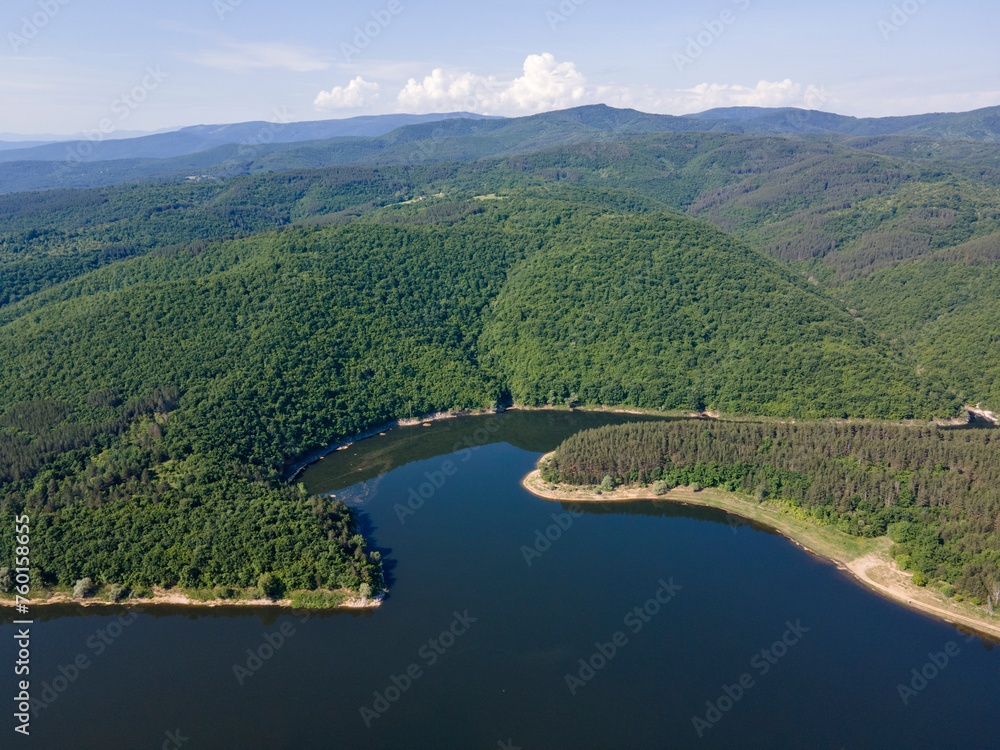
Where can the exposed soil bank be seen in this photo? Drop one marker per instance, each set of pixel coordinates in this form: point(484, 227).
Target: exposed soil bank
point(174, 598)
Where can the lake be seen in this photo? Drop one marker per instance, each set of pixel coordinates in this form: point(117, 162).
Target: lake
point(515, 622)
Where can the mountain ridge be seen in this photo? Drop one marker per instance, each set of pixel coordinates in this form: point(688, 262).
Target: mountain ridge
point(462, 137)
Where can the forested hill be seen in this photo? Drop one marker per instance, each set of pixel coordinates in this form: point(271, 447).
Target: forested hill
point(456, 139)
point(144, 403)
point(935, 492)
point(49, 237)
point(663, 312)
point(902, 229)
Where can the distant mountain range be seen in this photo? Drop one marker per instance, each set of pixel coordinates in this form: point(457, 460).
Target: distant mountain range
point(191, 140)
point(23, 141)
point(977, 125)
point(217, 151)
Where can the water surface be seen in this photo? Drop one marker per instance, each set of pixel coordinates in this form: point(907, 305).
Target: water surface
point(474, 644)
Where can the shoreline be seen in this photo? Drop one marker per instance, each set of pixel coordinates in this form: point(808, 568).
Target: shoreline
point(317, 454)
point(865, 561)
point(306, 459)
point(162, 597)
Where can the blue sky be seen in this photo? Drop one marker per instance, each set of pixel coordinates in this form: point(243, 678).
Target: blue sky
point(74, 65)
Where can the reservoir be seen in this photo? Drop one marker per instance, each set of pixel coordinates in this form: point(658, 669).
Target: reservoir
point(515, 622)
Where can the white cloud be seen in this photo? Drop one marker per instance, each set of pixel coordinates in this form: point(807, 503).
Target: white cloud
point(545, 85)
point(785, 93)
point(241, 57)
point(546, 82)
point(358, 93)
point(704, 96)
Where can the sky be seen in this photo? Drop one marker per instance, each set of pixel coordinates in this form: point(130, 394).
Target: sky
point(76, 66)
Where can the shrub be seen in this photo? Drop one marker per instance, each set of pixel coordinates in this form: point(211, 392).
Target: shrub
point(903, 561)
point(82, 588)
point(948, 590)
point(198, 595)
point(607, 484)
point(116, 592)
point(919, 579)
point(661, 487)
point(269, 586)
point(695, 487)
point(365, 590)
point(223, 592)
point(316, 599)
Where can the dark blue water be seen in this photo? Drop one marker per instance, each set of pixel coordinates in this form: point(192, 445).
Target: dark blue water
point(741, 639)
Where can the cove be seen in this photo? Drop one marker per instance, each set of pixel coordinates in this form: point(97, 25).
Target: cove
point(677, 626)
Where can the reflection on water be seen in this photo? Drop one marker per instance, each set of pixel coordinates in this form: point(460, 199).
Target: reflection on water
point(537, 430)
point(668, 509)
point(222, 678)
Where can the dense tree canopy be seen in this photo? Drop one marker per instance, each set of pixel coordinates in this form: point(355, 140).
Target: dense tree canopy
point(935, 491)
point(167, 349)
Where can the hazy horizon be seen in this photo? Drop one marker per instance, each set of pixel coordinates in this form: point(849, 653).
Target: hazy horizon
point(71, 68)
point(122, 135)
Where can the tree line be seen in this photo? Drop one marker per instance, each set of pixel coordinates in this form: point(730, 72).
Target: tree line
point(934, 491)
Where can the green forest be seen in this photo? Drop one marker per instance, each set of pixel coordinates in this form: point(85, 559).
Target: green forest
point(934, 491)
point(169, 348)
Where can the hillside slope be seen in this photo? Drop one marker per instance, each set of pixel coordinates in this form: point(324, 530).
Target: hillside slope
point(664, 312)
point(145, 403)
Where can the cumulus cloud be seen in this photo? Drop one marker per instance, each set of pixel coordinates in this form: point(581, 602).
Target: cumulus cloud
point(358, 93)
point(545, 85)
point(785, 93)
point(241, 57)
point(548, 84)
point(704, 96)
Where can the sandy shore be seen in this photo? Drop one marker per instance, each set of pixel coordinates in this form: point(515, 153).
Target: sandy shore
point(865, 560)
point(161, 597)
